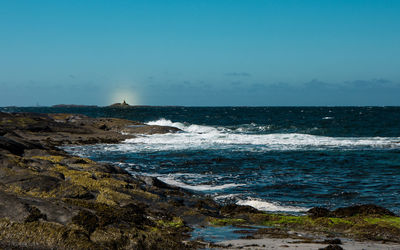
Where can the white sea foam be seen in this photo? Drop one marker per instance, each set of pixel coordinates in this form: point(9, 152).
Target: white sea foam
point(199, 129)
point(226, 196)
point(208, 137)
point(174, 179)
point(269, 206)
point(201, 187)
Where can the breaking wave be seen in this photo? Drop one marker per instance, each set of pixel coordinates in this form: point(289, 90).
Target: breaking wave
point(200, 187)
point(270, 206)
point(199, 137)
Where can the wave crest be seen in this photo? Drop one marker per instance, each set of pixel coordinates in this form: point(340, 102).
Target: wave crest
point(270, 206)
point(198, 137)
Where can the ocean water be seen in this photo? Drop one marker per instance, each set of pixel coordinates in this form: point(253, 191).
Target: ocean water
point(286, 159)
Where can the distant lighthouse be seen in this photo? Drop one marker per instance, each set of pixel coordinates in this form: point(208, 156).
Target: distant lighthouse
point(122, 104)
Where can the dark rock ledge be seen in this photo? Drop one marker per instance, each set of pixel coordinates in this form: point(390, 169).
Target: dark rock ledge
point(49, 199)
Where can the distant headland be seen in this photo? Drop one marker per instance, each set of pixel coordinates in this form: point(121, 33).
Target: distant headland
point(73, 106)
point(123, 104)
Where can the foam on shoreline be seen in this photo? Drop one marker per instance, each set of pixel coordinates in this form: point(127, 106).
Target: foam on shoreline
point(201, 187)
point(269, 206)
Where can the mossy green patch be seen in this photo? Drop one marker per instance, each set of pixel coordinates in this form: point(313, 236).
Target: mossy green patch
point(338, 221)
point(43, 235)
point(19, 121)
point(226, 221)
point(144, 194)
point(384, 221)
point(176, 222)
point(364, 227)
point(6, 121)
point(34, 192)
point(110, 191)
point(286, 220)
point(110, 197)
point(109, 237)
point(51, 158)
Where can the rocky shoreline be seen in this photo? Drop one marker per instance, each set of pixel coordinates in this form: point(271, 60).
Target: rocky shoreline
point(50, 199)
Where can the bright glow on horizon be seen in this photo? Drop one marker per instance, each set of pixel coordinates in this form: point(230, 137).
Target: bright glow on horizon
point(121, 94)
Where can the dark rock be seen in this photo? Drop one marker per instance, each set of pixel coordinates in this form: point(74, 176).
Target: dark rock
point(151, 129)
point(317, 212)
point(29, 144)
point(74, 161)
point(36, 152)
point(155, 182)
point(12, 207)
point(237, 209)
point(17, 208)
point(111, 169)
point(368, 209)
point(103, 127)
point(41, 183)
point(332, 247)
point(87, 220)
point(332, 241)
point(177, 202)
point(77, 192)
point(12, 146)
point(133, 214)
point(34, 214)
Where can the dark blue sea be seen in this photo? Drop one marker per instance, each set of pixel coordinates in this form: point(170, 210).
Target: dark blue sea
point(285, 159)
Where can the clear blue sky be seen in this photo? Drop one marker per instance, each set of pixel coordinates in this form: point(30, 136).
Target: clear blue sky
point(202, 53)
